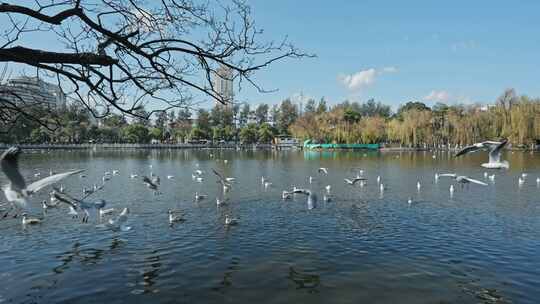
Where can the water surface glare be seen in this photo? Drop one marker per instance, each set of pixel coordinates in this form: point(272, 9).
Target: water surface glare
point(480, 245)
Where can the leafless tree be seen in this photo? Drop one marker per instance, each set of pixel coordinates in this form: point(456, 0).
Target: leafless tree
point(117, 55)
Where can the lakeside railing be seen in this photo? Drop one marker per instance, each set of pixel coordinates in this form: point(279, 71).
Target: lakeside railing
point(120, 146)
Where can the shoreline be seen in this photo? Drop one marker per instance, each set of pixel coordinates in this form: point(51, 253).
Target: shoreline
point(238, 147)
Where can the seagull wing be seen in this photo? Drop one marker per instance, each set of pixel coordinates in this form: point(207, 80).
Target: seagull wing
point(221, 178)
point(42, 183)
point(348, 181)
point(468, 149)
point(218, 175)
point(65, 200)
point(495, 152)
point(448, 175)
point(10, 167)
point(475, 181)
point(147, 181)
point(323, 170)
point(357, 179)
point(301, 191)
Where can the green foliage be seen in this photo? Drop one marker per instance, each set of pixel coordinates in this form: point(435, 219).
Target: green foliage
point(287, 116)
point(135, 133)
point(248, 134)
point(266, 133)
point(415, 124)
point(261, 113)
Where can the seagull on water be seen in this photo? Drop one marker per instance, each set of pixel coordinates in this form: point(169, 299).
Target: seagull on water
point(230, 221)
point(175, 217)
point(17, 191)
point(418, 185)
point(29, 220)
point(494, 147)
point(328, 188)
point(199, 197)
point(220, 203)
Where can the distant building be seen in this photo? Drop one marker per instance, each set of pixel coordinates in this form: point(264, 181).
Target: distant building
point(33, 90)
point(485, 108)
point(223, 84)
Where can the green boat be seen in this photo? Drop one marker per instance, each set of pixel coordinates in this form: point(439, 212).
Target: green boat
point(309, 145)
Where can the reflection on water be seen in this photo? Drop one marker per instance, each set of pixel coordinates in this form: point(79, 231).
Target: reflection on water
point(304, 280)
point(473, 245)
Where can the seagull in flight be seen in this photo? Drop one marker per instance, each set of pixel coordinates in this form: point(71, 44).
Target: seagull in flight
point(323, 170)
point(312, 197)
point(150, 184)
point(463, 179)
point(17, 191)
point(494, 147)
point(226, 185)
point(82, 204)
point(120, 222)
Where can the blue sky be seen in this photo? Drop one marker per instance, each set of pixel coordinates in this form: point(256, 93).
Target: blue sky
point(396, 51)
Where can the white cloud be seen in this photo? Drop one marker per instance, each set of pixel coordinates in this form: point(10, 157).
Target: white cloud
point(364, 78)
point(438, 96)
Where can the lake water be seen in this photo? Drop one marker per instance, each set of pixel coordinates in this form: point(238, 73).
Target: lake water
point(482, 245)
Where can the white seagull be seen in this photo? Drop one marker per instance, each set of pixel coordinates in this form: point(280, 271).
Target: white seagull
point(17, 191)
point(199, 197)
point(463, 179)
point(120, 222)
point(312, 197)
point(175, 217)
point(230, 221)
point(494, 148)
point(29, 221)
point(226, 185)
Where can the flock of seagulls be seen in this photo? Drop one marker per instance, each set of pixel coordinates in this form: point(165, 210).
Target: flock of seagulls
point(19, 193)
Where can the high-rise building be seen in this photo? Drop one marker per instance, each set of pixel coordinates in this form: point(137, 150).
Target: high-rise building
point(223, 84)
point(32, 90)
